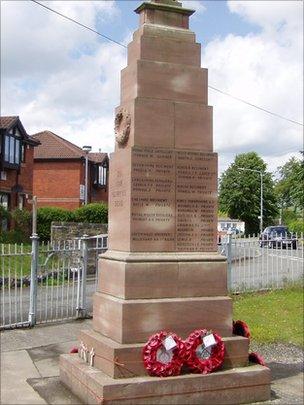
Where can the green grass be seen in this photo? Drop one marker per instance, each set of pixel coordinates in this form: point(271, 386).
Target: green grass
point(11, 263)
point(274, 316)
point(17, 261)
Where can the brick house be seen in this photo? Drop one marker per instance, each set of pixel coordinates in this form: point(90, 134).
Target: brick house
point(59, 173)
point(16, 165)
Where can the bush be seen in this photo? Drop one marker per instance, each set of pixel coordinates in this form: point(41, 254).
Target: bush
point(13, 236)
point(45, 217)
point(4, 214)
point(296, 226)
point(23, 222)
point(95, 213)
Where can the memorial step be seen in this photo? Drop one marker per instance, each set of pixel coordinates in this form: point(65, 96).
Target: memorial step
point(125, 360)
point(234, 386)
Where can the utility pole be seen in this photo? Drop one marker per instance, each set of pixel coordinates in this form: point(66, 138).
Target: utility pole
point(86, 149)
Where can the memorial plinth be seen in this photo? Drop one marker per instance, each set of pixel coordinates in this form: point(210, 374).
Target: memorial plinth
point(162, 270)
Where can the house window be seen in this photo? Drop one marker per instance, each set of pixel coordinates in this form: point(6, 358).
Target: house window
point(6, 148)
point(4, 202)
point(4, 199)
point(101, 174)
point(22, 152)
point(20, 201)
point(12, 149)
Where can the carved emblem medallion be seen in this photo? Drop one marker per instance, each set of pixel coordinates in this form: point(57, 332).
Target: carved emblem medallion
point(122, 127)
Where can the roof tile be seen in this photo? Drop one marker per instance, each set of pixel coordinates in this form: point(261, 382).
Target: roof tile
point(52, 146)
point(6, 122)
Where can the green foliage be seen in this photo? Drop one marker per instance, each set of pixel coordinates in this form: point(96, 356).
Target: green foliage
point(275, 316)
point(288, 216)
point(23, 222)
point(95, 213)
point(222, 214)
point(4, 214)
point(13, 236)
point(296, 226)
point(290, 186)
point(239, 194)
point(45, 217)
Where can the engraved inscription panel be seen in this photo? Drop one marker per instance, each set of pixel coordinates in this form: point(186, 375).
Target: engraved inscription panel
point(196, 196)
point(119, 201)
point(153, 200)
point(173, 200)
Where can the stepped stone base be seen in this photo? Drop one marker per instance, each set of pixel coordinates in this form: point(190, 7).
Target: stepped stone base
point(128, 321)
point(125, 360)
point(234, 386)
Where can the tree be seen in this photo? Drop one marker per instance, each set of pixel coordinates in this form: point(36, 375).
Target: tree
point(290, 185)
point(239, 194)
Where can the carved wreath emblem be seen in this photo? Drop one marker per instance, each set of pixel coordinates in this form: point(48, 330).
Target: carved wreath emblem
point(122, 127)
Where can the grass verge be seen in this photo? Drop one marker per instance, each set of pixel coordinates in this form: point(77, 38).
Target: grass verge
point(274, 316)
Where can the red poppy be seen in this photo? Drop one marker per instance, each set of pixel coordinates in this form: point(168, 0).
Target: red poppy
point(256, 358)
point(241, 328)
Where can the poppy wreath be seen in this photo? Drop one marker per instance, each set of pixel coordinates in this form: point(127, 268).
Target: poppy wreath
point(201, 359)
point(256, 358)
point(161, 362)
point(241, 328)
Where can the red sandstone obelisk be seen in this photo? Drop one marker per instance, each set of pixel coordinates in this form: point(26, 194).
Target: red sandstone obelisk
point(162, 270)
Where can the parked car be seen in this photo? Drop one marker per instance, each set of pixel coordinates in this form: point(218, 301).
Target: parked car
point(278, 237)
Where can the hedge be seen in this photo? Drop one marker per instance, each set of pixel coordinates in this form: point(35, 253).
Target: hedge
point(45, 217)
point(96, 213)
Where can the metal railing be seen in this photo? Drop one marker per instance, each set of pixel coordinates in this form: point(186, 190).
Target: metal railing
point(256, 264)
point(48, 282)
point(56, 281)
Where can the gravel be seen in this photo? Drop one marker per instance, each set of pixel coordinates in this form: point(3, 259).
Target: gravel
point(286, 365)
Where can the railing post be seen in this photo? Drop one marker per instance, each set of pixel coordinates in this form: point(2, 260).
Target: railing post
point(34, 265)
point(33, 285)
point(84, 255)
point(229, 259)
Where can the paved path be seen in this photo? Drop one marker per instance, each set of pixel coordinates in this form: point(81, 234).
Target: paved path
point(29, 366)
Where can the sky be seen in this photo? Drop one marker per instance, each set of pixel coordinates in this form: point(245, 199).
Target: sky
point(60, 77)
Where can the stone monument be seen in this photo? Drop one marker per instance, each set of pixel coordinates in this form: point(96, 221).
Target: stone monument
point(162, 270)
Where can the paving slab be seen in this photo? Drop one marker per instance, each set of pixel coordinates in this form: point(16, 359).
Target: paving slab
point(30, 372)
point(42, 335)
point(53, 391)
point(16, 368)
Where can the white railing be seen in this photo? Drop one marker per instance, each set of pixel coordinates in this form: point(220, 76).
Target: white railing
point(52, 282)
point(255, 264)
point(48, 282)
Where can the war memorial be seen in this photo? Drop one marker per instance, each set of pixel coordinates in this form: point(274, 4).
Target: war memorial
point(162, 271)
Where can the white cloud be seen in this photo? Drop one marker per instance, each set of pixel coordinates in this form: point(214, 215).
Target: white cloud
point(58, 76)
point(196, 5)
point(264, 69)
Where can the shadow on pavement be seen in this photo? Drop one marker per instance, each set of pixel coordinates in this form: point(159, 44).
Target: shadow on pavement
point(284, 370)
